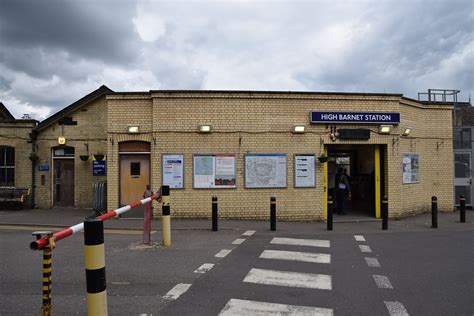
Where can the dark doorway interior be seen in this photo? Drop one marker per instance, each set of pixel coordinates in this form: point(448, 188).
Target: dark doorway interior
point(359, 162)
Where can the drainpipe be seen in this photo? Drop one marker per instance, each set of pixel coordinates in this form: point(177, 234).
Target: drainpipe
point(33, 137)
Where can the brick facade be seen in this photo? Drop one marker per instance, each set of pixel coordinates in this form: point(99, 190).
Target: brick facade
point(259, 122)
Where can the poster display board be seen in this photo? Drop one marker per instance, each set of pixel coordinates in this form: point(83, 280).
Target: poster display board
point(173, 171)
point(266, 171)
point(411, 168)
point(214, 171)
point(304, 171)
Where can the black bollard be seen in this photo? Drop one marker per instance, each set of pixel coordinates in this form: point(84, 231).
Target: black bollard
point(385, 213)
point(330, 212)
point(273, 213)
point(434, 212)
point(462, 209)
point(215, 210)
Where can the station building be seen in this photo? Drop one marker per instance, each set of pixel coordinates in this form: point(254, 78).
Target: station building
point(246, 146)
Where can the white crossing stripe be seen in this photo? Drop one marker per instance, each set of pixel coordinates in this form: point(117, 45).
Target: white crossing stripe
point(222, 253)
point(177, 291)
point(396, 309)
point(296, 256)
point(365, 248)
point(245, 307)
point(359, 237)
point(382, 282)
point(248, 233)
point(204, 268)
point(238, 241)
point(301, 242)
point(289, 278)
point(372, 262)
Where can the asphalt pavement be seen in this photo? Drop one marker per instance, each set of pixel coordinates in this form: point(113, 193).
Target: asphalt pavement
point(410, 268)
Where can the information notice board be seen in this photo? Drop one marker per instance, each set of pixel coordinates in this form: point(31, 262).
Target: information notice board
point(411, 168)
point(266, 171)
point(173, 171)
point(304, 170)
point(214, 171)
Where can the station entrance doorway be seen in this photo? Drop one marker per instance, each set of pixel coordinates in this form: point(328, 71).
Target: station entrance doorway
point(364, 166)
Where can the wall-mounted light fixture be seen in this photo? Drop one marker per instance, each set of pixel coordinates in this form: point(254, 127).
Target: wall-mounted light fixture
point(299, 129)
point(406, 132)
point(204, 128)
point(133, 129)
point(61, 140)
point(385, 129)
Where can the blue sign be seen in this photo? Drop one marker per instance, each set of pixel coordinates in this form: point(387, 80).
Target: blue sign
point(43, 168)
point(98, 168)
point(355, 117)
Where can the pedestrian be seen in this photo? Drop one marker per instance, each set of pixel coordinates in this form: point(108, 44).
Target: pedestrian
point(343, 190)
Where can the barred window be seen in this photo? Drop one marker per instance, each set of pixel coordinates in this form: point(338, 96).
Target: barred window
point(7, 166)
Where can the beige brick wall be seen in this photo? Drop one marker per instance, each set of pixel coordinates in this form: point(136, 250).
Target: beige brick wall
point(90, 131)
point(16, 135)
point(261, 123)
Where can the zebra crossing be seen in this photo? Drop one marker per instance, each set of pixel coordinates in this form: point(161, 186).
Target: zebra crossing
point(293, 279)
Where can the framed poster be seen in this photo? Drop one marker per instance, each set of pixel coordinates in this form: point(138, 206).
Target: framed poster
point(265, 170)
point(214, 171)
point(411, 168)
point(173, 171)
point(304, 171)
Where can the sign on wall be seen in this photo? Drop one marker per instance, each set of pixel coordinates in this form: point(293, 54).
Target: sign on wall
point(98, 168)
point(214, 171)
point(173, 171)
point(411, 168)
point(266, 171)
point(304, 167)
point(355, 117)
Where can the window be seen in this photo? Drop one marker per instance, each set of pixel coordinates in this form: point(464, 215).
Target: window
point(462, 138)
point(7, 166)
point(135, 169)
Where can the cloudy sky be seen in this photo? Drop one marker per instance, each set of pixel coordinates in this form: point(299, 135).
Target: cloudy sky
point(53, 52)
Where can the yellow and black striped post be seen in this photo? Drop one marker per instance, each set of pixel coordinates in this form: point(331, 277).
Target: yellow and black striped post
point(165, 216)
point(94, 258)
point(47, 264)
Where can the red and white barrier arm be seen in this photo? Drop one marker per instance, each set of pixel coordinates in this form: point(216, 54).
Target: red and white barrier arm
point(41, 243)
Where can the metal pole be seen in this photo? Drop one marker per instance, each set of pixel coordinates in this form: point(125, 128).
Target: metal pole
point(273, 213)
point(147, 217)
point(462, 209)
point(94, 259)
point(434, 212)
point(385, 213)
point(47, 264)
point(215, 210)
point(166, 222)
point(330, 213)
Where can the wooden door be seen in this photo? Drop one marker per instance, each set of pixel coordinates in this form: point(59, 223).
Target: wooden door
point(134, 177)
point(63, 182)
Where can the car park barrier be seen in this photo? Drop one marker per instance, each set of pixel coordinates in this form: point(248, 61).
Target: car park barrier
point(165, 216)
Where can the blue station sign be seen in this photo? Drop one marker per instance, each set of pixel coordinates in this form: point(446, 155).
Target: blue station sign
point(98, 168)
point(355, 117)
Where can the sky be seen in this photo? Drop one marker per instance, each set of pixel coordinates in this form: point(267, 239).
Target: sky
point(53, 52)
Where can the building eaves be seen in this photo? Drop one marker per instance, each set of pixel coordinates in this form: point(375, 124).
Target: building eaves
point(103, 90)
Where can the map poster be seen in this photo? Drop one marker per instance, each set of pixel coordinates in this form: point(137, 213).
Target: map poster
point(173, 174)
point(304, 169)
point(214, 171)
point(411, 168)
point(266, 171)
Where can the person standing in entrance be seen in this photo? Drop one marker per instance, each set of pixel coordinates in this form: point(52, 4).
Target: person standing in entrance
point(343, 190)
